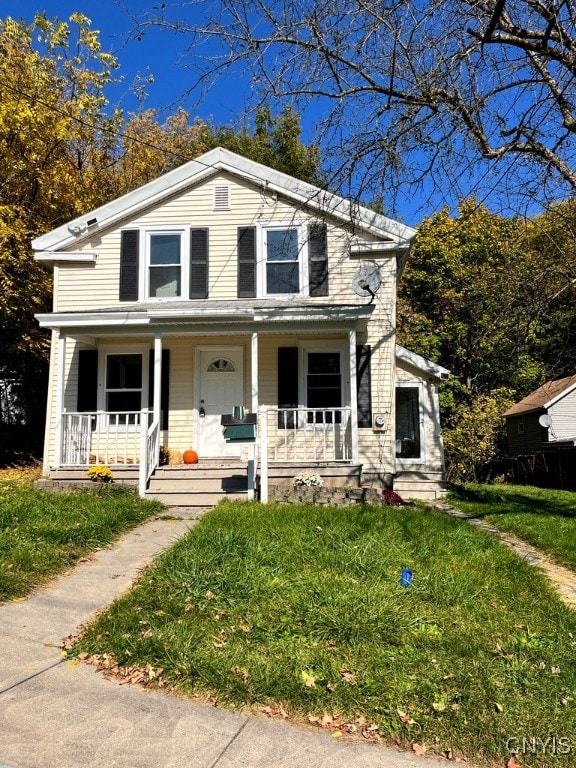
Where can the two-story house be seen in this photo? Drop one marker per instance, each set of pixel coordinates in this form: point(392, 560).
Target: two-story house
point(226, 287)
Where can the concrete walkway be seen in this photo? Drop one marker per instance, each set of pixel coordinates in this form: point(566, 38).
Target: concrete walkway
point(563, 580)
point(55, 713)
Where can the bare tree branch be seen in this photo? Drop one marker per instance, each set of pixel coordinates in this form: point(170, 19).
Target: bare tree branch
point(452, 95)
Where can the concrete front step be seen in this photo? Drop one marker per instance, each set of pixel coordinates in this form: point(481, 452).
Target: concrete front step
point(199, 484)
point(423, 491)
point(193, 500)
point(205, 484)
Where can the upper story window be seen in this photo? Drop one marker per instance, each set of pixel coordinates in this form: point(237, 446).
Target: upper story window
point(165, 267)
point(164, 263)
point(283, 261)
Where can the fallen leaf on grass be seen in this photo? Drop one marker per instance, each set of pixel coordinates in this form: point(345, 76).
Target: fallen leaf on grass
point(419, 749)
point(513, 763)
point(348, 677)
point(308, 680)
point(405, 718)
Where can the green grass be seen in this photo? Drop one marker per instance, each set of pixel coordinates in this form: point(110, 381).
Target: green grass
point(543, 517)
point(257, 601)
point(43, 533)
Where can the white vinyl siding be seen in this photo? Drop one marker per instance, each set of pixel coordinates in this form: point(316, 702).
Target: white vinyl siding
point(95, 286)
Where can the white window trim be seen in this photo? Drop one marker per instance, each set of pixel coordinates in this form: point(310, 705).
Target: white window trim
point(422, 393)
point(331, 345)
point(301, 228)
point(144, 277)
point(104, 352)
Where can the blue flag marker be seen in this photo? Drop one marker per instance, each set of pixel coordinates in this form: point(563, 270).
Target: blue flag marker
point(406, 578)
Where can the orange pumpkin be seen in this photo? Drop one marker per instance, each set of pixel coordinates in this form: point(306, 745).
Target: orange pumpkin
point(190, 457)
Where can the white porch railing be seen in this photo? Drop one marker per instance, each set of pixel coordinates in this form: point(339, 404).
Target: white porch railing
point(308, 435)
point(149, 455)
point(101, 438)
point(114, 439)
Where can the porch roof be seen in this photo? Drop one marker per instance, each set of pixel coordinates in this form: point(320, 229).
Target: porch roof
point(211, 316)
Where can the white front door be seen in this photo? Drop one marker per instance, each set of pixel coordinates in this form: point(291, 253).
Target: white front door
point(221, 388)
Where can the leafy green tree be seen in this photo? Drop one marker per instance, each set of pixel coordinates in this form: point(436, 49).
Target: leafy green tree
point(489, 298)
point(468, 298)
point(477, 436)
point(53, 144)
point(275, 142)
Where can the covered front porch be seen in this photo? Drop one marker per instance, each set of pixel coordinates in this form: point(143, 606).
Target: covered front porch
point(319, 439)
point(126, 399)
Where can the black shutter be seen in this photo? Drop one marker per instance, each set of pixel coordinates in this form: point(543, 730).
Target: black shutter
point(164, 386)
point(318, 259)
point(364, 385)
point(198, 263)
point(287, 385)
point(129, 247)
point(246, 262)
point(87, 398)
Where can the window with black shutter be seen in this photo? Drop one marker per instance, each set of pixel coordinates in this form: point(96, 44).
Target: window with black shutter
point(246, 262)
point(129, 264)
point(199, 264)
point(288, 382)
point(364, 385)
point(87, 397)
point(318, 259)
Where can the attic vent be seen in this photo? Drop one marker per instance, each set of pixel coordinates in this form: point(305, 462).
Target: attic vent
point(222, 198)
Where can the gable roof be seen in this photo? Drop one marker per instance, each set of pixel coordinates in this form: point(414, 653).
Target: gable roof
point(397, 235)
point(421, 363)
point(543, 397)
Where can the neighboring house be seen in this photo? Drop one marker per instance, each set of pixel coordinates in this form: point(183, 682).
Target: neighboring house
point(545, 416)
point(226, 284)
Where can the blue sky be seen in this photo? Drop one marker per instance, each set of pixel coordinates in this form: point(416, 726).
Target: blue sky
point(157, 53)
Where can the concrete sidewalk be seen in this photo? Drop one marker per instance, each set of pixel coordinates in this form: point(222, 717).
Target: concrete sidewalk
point(56, 713)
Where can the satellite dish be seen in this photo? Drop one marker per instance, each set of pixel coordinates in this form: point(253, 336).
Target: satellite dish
point(367, 280)
point(545, 421)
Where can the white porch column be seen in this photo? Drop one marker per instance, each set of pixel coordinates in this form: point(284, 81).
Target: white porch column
point(254, 409)
point(157, 377)
point(60, 389)
point(264, 454)
point(353, 396)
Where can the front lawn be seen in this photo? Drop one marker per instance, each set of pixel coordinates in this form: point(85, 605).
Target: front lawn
point(299, 610)
point(43, 533)
point(543, 517)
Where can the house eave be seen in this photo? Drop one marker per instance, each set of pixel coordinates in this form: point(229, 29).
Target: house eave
point(212, 162)
point(422, 363)
point(50, 258)
point(57, 320)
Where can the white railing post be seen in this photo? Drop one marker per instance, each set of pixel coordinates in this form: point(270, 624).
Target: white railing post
point(353, 398)
point(263, 454)
point(143, 466)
